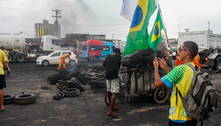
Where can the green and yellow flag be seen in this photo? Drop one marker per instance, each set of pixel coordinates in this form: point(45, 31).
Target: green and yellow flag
point(138, 37)
point(155, 35)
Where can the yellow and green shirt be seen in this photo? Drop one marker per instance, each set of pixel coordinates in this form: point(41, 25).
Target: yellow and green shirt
point(181, 77)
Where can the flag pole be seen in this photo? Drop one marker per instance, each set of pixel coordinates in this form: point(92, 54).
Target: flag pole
point(165, 30)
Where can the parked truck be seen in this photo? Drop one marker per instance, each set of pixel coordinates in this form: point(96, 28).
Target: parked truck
point(15, 45)
point(52, 43)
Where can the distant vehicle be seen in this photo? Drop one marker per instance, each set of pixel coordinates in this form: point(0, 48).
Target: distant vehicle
point(211, 58)
point(15, 45)
point(52, 43)
point(53, 58)
point(96, 48)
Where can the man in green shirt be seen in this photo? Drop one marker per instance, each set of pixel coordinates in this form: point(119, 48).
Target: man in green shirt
point(179, 78)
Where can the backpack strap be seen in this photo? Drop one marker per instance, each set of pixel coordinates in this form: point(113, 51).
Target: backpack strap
point(191, 66)
point(193, 80)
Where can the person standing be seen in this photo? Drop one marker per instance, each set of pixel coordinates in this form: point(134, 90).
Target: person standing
point(112, 66)
point(179, 79)
point(3, 64)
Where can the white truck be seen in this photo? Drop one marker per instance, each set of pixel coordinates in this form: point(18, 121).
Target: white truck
point(52, 43)
point(15, 45)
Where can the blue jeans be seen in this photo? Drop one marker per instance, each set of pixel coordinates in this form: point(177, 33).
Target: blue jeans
point(188, 123)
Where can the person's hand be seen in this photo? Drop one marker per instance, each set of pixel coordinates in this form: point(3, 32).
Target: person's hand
point(155, 63)
point(163, 63)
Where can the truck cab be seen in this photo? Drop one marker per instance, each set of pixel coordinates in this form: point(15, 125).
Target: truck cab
point(50, 43)
point(213, 60)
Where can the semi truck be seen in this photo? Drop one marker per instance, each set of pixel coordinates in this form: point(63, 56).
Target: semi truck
point(52, 43)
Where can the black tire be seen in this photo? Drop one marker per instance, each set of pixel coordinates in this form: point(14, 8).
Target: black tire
point(19, 57)
point(8, 99)
point(10, 57)
point(45, 63)
point(161, 95)
point(58, 96)
point(71, 92)
point(24, 99)
point(218, 63)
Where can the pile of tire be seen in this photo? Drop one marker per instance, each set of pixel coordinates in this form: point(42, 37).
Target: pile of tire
point(61, 75)
point(70, 88)
point(20, 99)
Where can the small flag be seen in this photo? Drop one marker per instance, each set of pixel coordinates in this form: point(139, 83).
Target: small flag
point(155, 30)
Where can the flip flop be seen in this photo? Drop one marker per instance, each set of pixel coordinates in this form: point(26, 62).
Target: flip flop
point(112, 114)
point(115, 108)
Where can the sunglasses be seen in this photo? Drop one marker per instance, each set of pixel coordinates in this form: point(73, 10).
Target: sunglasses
point(181, 49)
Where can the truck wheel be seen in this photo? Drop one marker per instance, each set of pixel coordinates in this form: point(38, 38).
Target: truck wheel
point(161, 95)
point(45, 63)
point(10, 57)
point(218, 63)
point(19, 57)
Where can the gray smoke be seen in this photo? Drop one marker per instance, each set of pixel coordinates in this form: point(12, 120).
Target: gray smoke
point(74, 12)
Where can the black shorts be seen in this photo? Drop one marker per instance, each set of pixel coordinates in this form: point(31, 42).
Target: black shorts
point(2, 81)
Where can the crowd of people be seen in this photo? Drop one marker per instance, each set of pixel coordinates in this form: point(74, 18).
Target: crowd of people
point(177, 78)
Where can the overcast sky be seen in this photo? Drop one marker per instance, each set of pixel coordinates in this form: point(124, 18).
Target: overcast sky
point(103, 16)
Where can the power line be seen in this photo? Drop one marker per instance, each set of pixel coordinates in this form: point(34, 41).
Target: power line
point(100, 25)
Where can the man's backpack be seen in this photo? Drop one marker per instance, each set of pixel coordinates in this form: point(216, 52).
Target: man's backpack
point(202, 97)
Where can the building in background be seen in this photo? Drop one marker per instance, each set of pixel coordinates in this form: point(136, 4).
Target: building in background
point(205, 39)
point(172, 43)
point(77, 39)
point(45, 28)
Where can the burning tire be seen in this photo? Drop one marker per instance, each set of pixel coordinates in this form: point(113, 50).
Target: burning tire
point(24, 99)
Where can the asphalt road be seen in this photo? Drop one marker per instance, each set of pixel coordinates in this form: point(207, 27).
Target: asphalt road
point(86, 110)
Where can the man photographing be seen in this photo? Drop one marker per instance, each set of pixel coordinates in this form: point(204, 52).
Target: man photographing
point(179, 78)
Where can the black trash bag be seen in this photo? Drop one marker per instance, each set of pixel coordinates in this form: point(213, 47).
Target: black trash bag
point(140, 59)
point(61, 75)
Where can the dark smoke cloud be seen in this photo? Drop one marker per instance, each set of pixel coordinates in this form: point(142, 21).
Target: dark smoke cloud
point(74, 12)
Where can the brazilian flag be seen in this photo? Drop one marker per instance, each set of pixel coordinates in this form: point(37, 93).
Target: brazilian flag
point(155, 35)
point(137, 38)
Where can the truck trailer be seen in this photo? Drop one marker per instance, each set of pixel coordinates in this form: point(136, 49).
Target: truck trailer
point(15, 45)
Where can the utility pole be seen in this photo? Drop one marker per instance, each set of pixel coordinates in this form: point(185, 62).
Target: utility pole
point(208, 25)
point(57, 26)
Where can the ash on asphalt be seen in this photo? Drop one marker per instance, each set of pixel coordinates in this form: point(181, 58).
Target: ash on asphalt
point(88, 109)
